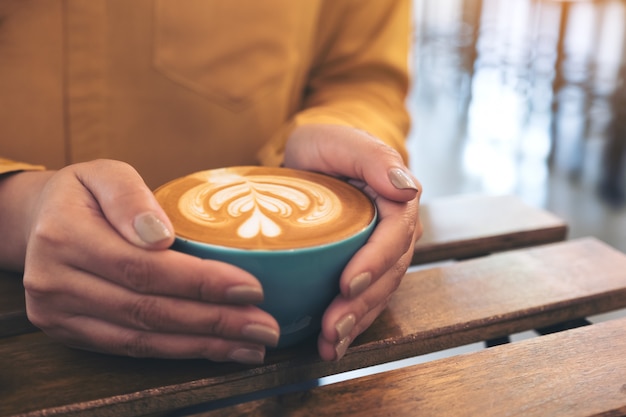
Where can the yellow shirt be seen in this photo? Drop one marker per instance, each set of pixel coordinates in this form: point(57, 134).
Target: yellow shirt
point(174, 86)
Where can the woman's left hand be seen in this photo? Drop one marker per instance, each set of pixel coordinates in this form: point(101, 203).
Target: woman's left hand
point(376, 270)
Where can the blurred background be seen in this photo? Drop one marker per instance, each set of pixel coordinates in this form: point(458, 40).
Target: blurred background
point(524, 97)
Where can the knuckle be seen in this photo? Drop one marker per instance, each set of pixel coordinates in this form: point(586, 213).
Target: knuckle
point(386, 152)
point(103, 164)
point(136, 273)
point(419, 230)
point(408, 240)
point(362, 305)
point(138, 345)
point(216, 350)
point(392, 153)
point(412, 229)
point(43, 317)
point(39, 293)
point(217, 324)
point(147, 314)
point(35, 316)
point(204, 289)
point(399, 270)
point(412, 217)
point(49, 233)
point(402, 264)
point(36, 287)
point(386, 302)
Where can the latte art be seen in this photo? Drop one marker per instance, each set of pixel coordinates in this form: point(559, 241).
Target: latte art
point(260, 208)
point(264, 208)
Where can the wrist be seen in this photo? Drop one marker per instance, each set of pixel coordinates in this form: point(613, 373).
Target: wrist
point(19, 195)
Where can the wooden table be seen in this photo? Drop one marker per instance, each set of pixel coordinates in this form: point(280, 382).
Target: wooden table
point(435, 308)
point(579, 372)
point(467, 226)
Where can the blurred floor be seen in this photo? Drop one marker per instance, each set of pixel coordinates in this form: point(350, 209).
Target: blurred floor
point(524, 97)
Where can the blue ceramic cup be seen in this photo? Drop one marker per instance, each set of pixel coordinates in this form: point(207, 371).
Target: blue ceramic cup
point(295, 231)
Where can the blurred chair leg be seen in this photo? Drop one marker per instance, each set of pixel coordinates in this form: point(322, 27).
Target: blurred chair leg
point(567, 325)
point(497, 341)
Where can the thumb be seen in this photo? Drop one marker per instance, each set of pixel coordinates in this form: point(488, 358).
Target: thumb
point(347, 152)
point(127, 203)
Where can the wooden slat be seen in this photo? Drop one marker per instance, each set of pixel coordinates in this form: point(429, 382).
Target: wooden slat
point(455, 227)
point(434, 309)
point(577, 373)
point(467, 226)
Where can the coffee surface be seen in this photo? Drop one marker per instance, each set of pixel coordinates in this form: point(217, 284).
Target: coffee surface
point(264, 208)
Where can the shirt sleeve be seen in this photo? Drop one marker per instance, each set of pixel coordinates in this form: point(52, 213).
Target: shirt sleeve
point(360, 75)
point(7, 166)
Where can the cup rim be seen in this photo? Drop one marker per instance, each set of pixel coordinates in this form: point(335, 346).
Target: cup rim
point(304, 249)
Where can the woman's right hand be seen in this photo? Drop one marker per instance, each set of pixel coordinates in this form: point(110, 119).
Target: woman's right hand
point(99, 275)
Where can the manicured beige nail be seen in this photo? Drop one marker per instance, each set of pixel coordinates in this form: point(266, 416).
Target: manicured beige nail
point(402, 180)
point(150, 228)
point(345, 325)
point(247, 356)
point(261, 334)
point(244, 294)
point(342, 347)
point(360, 283)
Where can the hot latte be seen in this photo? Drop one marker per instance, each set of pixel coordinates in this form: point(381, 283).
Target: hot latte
point(264, 208)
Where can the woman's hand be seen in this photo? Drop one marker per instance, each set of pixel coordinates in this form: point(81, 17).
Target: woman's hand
point(98, 275)
point(376, 270)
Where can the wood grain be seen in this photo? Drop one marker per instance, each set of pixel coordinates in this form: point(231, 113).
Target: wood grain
point(466, 226)
point(434, 309)
point(577, 373)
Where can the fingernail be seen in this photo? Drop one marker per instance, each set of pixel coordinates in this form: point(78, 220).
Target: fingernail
point(261, 334)
point(402, 180)
point(247, 356)
point(150, 228)
point(345, 326)
point(342, 347)
point(359, 284)
point(244, 294)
